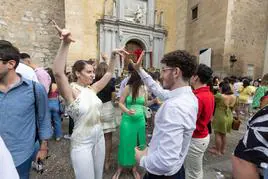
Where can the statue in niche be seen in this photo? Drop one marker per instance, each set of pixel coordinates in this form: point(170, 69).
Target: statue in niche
point(139, 15)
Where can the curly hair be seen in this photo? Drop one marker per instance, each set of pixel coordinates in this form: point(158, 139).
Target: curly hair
point(204, 73)
point(182, 59)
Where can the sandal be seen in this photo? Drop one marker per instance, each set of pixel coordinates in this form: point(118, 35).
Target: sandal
point(136, 174)
point(117, 174)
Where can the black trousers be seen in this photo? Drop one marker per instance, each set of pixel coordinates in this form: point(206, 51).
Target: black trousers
point(179, 175)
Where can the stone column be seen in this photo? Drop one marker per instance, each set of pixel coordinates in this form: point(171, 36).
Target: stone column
point(155, 17)
point(150, 12)
point(106, 40)
point(120, 9)
point(161, 19)
point(105, 9)
point(114, 8)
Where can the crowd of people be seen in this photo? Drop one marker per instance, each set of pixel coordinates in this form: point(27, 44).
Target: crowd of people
point(186, 103)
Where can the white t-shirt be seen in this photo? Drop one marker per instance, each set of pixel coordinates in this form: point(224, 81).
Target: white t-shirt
point(7, 167)
point(26, 72)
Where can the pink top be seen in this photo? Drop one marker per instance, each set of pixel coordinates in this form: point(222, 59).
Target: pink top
point(43, 77)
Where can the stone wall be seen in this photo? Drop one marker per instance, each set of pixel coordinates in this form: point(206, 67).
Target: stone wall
point(81, 17)
point(247, 36)
point(208, 30)
point(181, 23)
point(25, 23)
point(170, 21)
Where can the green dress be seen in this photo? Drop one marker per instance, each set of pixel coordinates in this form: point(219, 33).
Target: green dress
point(223, 117)
point(132, 132)
point(257, 97)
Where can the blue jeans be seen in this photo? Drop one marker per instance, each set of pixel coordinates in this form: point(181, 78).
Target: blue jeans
point(24, 169)
point(54, 108)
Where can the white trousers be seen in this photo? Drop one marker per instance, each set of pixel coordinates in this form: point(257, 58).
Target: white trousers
point(194, 160)
point(88, 158)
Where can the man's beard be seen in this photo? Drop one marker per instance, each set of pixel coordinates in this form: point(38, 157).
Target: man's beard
point(3, 76)
point(169, 82)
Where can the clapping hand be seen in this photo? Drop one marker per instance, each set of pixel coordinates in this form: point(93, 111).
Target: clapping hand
point(138, 64)
point(122, 52)
point(104, 56)
point(65, 34)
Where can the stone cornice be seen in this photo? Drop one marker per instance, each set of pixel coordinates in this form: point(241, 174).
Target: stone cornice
point(132, 25)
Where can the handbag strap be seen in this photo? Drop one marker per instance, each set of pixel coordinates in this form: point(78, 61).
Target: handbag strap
point(36, 112)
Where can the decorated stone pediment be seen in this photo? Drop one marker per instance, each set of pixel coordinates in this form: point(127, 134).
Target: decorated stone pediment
point(133, 24)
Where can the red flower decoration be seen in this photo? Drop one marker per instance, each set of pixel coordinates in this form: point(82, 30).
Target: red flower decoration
point(138, 52)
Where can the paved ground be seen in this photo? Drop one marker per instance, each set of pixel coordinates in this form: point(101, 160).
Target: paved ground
point(58, 165)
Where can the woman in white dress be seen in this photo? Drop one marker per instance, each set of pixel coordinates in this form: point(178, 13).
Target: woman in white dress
point(83, 105)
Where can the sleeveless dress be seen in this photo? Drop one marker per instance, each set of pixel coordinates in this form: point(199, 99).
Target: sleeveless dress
point(87, 140)
point(132, 132)
point(223, 117)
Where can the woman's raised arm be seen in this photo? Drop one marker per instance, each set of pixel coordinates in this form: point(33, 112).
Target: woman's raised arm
point(60, 62)
point(99, 85)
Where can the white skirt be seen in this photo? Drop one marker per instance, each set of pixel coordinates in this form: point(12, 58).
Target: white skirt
point(108, 117)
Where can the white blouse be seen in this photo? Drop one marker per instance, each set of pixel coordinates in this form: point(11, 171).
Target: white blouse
point(85, 111)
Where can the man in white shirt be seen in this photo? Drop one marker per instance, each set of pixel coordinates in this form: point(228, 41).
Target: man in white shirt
point(27, 72)
point(7, 167)
point(41, 74)
point(175, 120)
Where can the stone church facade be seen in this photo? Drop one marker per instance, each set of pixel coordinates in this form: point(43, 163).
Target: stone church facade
point(235, 31)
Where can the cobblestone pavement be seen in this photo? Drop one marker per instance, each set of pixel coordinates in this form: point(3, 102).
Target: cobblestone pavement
point(58, 165)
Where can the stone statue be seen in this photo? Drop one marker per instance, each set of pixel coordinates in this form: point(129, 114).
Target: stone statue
point(139, 14)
